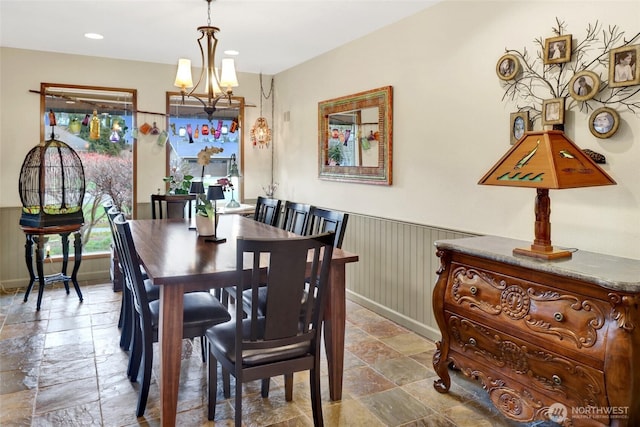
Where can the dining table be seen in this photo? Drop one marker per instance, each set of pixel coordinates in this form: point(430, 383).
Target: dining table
point(177, 260)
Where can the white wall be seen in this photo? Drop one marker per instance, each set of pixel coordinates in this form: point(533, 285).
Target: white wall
point(451, 126)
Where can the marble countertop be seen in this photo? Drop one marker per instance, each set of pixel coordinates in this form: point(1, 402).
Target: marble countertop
point(611, 272)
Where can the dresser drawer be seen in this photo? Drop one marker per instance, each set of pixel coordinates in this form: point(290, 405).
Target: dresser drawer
point(550, 374)
point(542, 313)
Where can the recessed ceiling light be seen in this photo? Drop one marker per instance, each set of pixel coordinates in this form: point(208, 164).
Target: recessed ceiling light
point(231, 52)
point(94, 36)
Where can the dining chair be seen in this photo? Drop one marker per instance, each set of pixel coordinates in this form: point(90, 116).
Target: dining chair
point(283, 341)
point(172, 205)
point(319, 221)
point(322, 220)
point(296, 217)
point(267, 210)
point(201, 311)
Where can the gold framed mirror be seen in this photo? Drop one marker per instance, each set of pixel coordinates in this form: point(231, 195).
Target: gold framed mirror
point(355, 137)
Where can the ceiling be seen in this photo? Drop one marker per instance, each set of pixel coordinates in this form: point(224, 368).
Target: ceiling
point(270, 35)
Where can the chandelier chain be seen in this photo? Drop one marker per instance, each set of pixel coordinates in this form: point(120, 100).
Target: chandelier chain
point(208, 13)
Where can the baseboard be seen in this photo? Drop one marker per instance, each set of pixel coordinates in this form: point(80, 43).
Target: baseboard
point(419, 328)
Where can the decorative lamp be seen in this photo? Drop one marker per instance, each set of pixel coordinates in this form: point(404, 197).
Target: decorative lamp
point(545, 160)
point(260, 133)
point(215, 193)
point(234, 175)
point(197, 187)
point(213, 82)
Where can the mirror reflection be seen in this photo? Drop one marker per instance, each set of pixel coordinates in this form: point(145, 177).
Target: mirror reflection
point(355, 137)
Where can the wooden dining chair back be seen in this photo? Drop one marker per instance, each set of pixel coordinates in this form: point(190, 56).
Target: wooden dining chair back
point(172, 205)
point(201, 311)
point(323, 220)
point(267, 210)
point(281, 342)
point(296, 217)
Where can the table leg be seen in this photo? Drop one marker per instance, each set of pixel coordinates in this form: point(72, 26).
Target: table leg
point(170, 341)
point(28, 257)
point(334, 329)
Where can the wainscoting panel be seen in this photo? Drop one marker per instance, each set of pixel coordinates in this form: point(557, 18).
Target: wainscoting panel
point(396, 272)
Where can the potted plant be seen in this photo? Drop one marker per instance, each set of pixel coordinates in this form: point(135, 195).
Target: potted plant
point(206, 219)
point(335, 155)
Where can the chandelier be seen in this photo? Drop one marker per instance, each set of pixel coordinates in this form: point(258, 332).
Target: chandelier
point(227, 79)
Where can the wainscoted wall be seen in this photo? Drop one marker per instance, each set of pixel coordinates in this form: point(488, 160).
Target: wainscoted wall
point(396, 272)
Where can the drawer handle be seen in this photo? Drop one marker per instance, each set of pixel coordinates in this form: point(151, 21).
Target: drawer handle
point(472, 341)
point(558, 316)
point(473, 290)
point(556, 380)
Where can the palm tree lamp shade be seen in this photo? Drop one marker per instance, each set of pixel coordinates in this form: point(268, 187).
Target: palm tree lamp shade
point(545, 160)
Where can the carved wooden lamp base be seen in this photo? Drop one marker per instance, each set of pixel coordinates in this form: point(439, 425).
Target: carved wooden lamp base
point(545, 255)
point(541, 247)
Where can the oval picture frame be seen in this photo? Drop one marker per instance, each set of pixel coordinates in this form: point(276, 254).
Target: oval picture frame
point(587, 80)
point(507, 67)
point(601, 129)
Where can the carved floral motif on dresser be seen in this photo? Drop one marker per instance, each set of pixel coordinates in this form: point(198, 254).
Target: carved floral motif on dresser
point(542, 310)
point(551, 373)
point(621, 307)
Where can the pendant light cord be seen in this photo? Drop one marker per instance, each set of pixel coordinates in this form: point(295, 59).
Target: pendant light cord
point(267, 96)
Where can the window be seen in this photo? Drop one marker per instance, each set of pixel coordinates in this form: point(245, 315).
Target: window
point(97, 123)
point(190, 131)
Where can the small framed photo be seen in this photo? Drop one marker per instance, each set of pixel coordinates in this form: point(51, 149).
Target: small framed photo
point(553, 111)
point(557, 49)
point(623, 66)
point(604, 122)
point(584, 85)
point(520, 123)
point(507, 67)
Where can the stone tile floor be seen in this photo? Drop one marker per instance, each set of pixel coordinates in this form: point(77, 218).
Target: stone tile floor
point(62, 366)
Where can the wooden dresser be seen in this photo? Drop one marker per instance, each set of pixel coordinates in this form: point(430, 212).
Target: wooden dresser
point(549, 340)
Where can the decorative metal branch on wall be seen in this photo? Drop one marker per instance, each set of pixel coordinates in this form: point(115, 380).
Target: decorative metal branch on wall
point(597, 75)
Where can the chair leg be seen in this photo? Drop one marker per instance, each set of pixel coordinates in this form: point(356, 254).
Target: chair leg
point(147, 353)
point(316, 398)
point(135, 354)
point(203, 343)
point(126, 314)
point(264, 390)
point(212, 367)
point(288, 387)
point(226, 383)
point(238, 405)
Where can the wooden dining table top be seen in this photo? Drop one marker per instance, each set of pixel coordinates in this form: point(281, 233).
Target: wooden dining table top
point(171, 252)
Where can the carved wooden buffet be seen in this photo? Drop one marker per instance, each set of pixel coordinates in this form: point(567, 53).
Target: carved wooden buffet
point(549, 340)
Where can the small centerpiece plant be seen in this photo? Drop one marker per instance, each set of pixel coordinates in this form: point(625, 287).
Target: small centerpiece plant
point(205, 211)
